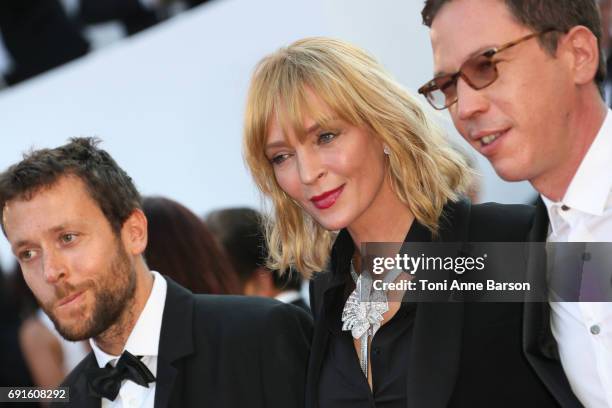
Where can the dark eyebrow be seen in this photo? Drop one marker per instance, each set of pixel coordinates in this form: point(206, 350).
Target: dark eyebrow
point(479, 51)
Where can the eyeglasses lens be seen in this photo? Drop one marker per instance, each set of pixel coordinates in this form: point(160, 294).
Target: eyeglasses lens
point(479, 72)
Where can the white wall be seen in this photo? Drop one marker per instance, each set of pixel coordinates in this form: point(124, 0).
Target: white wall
point(168, 102)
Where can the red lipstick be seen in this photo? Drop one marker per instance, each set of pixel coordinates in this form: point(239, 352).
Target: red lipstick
point(327, 199)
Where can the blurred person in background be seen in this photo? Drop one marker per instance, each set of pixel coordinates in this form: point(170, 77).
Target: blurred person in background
point(181, 247)
point(240, 232)
point(48, 355)
point(38, 36)
point(346, 157)
point(14, 371)
point(134, 15)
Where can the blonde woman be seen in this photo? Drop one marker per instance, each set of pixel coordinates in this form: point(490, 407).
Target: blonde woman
point(347, 156)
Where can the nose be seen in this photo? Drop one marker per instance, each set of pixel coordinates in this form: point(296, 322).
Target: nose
point(470, 102)
point(310, 167)
point(54, 268)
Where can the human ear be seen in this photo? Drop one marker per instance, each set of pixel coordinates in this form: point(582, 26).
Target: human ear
point(580, 46)
point(134, 232)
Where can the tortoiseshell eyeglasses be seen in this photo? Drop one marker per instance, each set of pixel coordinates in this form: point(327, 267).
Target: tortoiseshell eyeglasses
point(478, 72)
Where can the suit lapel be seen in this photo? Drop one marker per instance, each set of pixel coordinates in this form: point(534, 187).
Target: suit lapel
point(321, 337)
point(438, 328)
point(330, 289)
point(539, 344)
point(434, 354)
point(79, 396)
point(538, 340)
point(539, 229)
point(176, 342)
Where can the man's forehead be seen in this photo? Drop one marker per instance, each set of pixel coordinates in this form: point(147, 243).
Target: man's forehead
point(462, 28)
point(40, 208)
point(60, 191)
point(63, 202)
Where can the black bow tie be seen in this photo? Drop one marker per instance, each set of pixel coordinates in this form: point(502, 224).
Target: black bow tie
point(106, 382)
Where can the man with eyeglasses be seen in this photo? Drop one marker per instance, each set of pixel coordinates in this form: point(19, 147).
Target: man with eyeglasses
point(521, 80)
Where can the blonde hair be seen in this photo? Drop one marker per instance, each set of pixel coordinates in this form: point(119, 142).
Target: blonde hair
point(424, 171)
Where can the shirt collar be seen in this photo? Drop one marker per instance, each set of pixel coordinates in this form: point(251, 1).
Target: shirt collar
point(589, 189)
point(144, 338)
point(288, 296)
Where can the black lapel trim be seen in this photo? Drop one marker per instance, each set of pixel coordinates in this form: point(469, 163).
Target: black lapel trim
point(435, 354)
point(438, 329)
point(319, 346)
point(328, 286)
point(538, 340)
point(176, 342)
point(539, 344)
point(539, 230)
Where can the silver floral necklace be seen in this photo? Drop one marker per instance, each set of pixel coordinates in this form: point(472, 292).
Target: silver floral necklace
point(364, 309)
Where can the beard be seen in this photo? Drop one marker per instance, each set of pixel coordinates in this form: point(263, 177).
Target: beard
point(113, 296)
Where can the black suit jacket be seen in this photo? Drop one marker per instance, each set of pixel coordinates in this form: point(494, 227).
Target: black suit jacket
point(539, 343)
point(462, 354)
point(301, 304)
point(222, 351)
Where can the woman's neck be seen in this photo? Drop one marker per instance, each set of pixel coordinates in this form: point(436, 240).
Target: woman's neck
point(386, 220)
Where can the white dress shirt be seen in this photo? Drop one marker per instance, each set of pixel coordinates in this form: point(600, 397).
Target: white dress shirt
point(143, 341)
point(584, 330)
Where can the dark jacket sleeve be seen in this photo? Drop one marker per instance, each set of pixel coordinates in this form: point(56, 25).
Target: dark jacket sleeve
point(492, 222)
point(285, 343)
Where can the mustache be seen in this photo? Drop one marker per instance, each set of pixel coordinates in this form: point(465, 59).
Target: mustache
point(67, 289)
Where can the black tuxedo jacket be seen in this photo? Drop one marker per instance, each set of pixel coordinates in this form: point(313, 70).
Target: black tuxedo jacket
point(538, 341)
point(222, 352)
point(462, 354)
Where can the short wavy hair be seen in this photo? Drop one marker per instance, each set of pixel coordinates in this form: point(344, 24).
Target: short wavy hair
point(425, 172)
point(107, 183)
